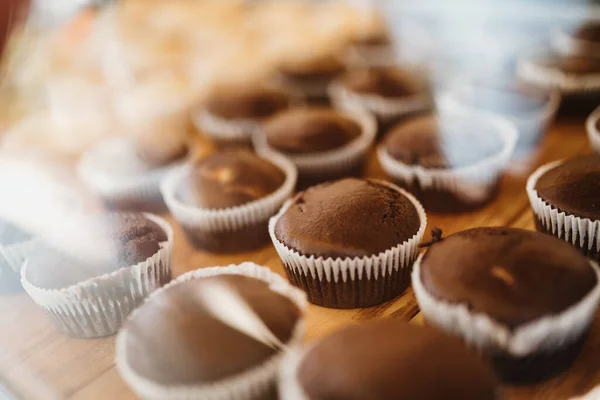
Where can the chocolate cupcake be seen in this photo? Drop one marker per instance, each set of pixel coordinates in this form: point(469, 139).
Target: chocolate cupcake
point(224, 201)
point(232, 115)
point(531, 110)
point(349, 243)
point(386, 359)
point(582, 39)
point(212, 351)
point(373, 50)
point(564, 198)
point(592, 126)
point(324, 143)
point(450, 162)
point(311, 75)
point(113, 262)
point(523, 299)
point(126, 174)
point(389, 93)
point(572, 75)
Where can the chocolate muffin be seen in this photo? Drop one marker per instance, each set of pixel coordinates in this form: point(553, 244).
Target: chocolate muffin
point(564, 197)
point(450, 164)
point(311, 75)
point(126, 173)
point(323, 143)
point(116, 261)
point(589, 31)
point(506, 284)
point(582, 39)
point(387, 359)
point(205, 353)
point(330, 232)
point(232, 114)
point(224, 201)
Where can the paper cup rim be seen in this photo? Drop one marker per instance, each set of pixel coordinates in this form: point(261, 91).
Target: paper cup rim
point(91, 176)
point(530, 71)
point(527, 338)
point(162, 223)
point(419, 234)
point(507, 133)
point(592, 129)
point(288, 383)
point(169, 184)
point(331, 157)
point(276, 283)
point(448, 98)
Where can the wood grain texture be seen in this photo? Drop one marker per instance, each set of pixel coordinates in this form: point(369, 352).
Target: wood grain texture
point(37, 362)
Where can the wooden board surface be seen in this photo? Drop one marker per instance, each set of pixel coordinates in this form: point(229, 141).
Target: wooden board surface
point(37, 362)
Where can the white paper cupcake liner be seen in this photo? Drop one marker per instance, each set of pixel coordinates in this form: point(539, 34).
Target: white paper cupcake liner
point(15, 254)
point(592, 129)
point(115, 188)
point(531, 72)
point(386, 109)
point(236, 131)
point(288, 383)
point(572, 229)
point(485, 334)
point(234, 218)
point(530, 127)
point(472, 183)
point(97, 307)
point(253, 384)
point(334, 162)
point(376, 267)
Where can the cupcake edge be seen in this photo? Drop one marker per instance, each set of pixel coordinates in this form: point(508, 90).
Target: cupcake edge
point(142, 188)
point(249, 385)
point(374, 267)
point(335, 161)
point(564, 226)
point(94, 308)
point(233, 218)
point(472, 183)
point(592, 129)
point(15, 254)
point(550, 78)
point(484, 333)
point(384, 108)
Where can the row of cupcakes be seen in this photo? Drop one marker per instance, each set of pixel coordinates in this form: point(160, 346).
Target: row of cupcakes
point(519, 303)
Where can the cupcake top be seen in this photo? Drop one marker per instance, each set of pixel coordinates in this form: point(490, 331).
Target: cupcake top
point(432, 142)
point(382, 81)
point(390, 359)
point(173, 339)
point(229, 179)
point(512, 275)
point(505, 99)
point(347, 218)
point(310, 130)
point(317, 67)
point(10, 234)
point(247, 102)
point(573, 187)
point(590, 32)
point(121, 240)
point(572, 64)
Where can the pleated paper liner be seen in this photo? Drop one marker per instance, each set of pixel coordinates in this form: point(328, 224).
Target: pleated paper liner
point(98, 306)
point(582, 233)
point(231, 229)
point(137, 192)
point(591, 126)
point(352, 282)
point(254, 384)
point(333, 164)
point(464, 187)
point(528, 353)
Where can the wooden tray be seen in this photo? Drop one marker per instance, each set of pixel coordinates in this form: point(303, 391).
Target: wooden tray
point(37, 362)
